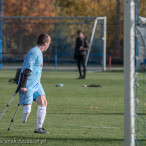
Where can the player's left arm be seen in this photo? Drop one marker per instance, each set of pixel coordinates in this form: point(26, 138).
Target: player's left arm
point(86, 46)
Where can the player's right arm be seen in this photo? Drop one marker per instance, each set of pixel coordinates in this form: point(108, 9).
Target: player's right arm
point(76, 49)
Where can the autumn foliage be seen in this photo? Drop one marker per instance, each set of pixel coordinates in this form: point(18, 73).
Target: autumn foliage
point(29, 8)
point(54, 8)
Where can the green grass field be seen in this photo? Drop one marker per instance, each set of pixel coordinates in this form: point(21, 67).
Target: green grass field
point(76, 116)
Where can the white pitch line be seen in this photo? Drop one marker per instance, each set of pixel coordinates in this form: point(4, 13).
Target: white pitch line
point(101, 127)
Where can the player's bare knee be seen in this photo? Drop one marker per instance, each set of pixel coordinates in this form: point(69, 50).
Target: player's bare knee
point(41, 100)
point(44, 102)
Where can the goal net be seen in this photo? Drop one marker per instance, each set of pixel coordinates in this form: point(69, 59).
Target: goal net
point(20, 34)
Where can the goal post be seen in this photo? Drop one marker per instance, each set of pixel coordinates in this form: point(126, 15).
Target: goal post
point(103, 39)
point(91, 40)
point(129, 72)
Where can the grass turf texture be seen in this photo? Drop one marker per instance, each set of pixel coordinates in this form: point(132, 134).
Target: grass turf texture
point(76, 116)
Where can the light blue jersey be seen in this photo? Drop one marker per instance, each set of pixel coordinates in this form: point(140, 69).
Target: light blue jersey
point(34, 62)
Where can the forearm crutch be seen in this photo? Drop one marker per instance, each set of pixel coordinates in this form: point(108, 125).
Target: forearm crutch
point(13, 118)
point(8, 104)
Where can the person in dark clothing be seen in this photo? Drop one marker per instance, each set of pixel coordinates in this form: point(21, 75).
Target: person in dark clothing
point(81, 49)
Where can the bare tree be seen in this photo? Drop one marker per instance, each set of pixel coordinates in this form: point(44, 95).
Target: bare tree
point(117, 36)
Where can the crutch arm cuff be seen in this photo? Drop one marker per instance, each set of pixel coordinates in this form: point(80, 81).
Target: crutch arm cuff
point(24, 78)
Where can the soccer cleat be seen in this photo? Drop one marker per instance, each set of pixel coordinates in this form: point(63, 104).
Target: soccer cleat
point(25, 117)
point(41, 131)
point(80, 77)
point(83, 77)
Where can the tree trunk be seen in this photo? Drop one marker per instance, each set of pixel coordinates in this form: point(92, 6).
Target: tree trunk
point(117, 36)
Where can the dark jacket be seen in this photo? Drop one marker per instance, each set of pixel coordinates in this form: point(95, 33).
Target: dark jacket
point(81, 43)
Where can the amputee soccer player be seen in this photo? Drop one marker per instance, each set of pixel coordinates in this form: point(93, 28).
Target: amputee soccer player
point(29, 82)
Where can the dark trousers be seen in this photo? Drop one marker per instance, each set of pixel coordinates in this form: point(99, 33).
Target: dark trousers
point(81, 62)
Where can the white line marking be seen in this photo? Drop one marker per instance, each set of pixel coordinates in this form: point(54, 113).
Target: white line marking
point(101, 127)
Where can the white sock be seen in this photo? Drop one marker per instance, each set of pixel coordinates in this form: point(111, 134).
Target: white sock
point(26, 112)
point(41, 114)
